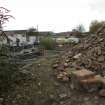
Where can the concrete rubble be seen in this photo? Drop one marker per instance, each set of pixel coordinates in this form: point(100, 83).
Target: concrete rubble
point(84, 63)
point(86, 80)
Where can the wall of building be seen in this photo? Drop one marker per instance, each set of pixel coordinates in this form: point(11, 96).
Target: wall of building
point(22, 38)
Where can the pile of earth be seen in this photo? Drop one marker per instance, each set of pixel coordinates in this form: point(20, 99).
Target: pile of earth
point(93, 53)
point(89, 54)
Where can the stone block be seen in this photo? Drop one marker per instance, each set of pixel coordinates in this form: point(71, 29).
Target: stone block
point(101, 80)
point(83, 79)
point(82, 74)
point(90, 84)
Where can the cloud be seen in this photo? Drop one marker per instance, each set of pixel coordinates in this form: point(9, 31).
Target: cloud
point(58, 15)
point(97, 5)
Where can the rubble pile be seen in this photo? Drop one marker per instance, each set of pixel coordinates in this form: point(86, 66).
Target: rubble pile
point(93, 54)
point(89, 54)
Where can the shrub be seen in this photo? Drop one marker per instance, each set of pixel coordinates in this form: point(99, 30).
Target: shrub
point(8, 74)
point(95, 25)
point(8, 71)
point(48, 43)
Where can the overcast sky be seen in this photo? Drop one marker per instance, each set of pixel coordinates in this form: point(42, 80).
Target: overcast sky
point(53, 15)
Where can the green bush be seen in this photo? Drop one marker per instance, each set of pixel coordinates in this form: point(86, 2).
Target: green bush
point(96, 25)
point(48, 43)
point(8, 71)
point(8, 74)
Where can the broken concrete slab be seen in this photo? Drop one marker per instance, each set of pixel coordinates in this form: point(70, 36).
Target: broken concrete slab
point(90, 84)
point(77, 56)
point(85, 79)
point(82, 74)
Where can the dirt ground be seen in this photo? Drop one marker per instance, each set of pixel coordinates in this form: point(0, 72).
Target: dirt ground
point(42, 88)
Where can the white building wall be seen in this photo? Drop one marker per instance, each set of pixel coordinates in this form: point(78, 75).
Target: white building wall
point(32, 39)
point(22, 39)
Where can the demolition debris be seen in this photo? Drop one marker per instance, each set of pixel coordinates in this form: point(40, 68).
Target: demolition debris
point(90, 55)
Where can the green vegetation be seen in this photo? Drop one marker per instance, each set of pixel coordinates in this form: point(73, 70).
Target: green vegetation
point(8, 71)
point(95, 25)
point(80, 28)
point(48, 43)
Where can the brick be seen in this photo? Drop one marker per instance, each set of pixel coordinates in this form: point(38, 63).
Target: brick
point(83, 74)
point(90, 80)
point(90, 84)
point(82, 78)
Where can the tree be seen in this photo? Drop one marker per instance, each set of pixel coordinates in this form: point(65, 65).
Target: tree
point(8, 70)
point(95, 25)
point(79, 28)
point(31, 31)
point(34, 32)
point(4, 17)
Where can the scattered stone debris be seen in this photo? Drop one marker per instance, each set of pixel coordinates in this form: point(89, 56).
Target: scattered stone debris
point(102, 93)
point(93, 54)
point(1, 101)
point(88, 60)
point(62, 96)
point(77, 56)
point(55, 66)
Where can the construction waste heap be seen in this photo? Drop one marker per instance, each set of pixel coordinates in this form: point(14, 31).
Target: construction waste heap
point(84, 64)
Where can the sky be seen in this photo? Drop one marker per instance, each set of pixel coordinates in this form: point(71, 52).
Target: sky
point(53, 15)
